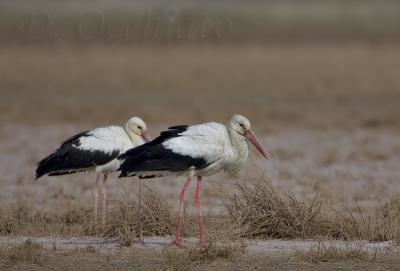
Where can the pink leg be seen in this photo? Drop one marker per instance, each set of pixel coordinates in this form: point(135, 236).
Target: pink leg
point(141, 239)
point(203, 242)
point(96, 196)
point(182, 196)
point(103, 198)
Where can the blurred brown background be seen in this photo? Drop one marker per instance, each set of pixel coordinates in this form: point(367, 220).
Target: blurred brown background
point(307, 63)
point(318, 79)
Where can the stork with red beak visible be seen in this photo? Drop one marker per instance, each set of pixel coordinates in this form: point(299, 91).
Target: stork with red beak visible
point(198, 150)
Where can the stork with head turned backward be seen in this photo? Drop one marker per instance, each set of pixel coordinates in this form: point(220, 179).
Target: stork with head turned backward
point(95, 150)
point(192, 151)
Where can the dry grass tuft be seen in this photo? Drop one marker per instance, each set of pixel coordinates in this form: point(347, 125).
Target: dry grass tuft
point(259, 211)
point(215, 250)
point(223, 244)
point(21, 218)
point(322, 252)
point(73, 220)
point(351, 223)
point(387, 222)
point(28, 252)
point(382, 225)
point(262, 212)
point(256, 211)
point(176, 259)
point(154, 217)
point(14, 217)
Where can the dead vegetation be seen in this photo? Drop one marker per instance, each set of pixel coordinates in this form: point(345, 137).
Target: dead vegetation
point(382, 224)
point(387, 222)
point(328, 252)
point(259, 211)
point(218, 248)
point(263, 213)
point(126, 220)
point(129, 220)
point(14, 217)
point(23, 219)
point(28, 252)
point(256, 211)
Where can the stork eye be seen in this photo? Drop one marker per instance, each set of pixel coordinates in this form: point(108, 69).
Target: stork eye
point(140, 128)
point(241, 124)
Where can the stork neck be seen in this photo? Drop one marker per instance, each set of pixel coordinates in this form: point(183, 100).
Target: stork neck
point(240, 149)
point(238, 141)
point(135, 139)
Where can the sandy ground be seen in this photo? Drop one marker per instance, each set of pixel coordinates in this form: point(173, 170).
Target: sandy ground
point(260, 247)
point(341, 165)
point(258, 255)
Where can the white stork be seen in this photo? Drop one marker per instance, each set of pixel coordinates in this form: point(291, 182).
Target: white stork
point(95, 150)
point(198, 150)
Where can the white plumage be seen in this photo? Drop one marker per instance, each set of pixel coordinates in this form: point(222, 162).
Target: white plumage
point(95, 150)
point(211, 142)
point(109, 140)
point(198, 150)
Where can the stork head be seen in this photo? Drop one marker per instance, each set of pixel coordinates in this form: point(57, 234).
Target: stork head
point(242, 126)
point(136, 126)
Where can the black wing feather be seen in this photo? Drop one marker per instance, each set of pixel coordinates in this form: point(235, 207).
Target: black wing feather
point(152, 156)
point(69, 159)
point(74, 140)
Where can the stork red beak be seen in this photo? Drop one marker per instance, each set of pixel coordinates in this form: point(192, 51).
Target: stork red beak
point(252, 138)
point(146, 136)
